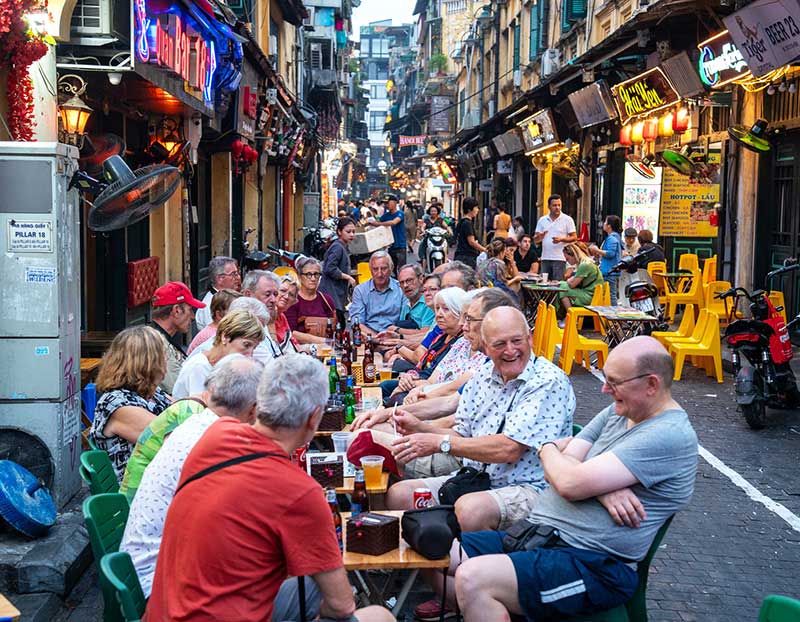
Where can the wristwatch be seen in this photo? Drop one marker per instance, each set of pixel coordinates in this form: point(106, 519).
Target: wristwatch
point(445, 445)
point(542, 446)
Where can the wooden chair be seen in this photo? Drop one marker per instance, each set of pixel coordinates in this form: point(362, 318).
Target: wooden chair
point(574, 343)
point(709, 347)
point(777, 300)
point(714, 305)
point(710, 270)
point(692, 296)
point(118, 571)
point(553, 335)
point(779, 609)
point(684, 329)
point(539, 328)
point(98, 472)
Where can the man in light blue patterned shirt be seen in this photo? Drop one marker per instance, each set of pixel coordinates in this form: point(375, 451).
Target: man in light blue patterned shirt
point(512, 405)
point(377, 303)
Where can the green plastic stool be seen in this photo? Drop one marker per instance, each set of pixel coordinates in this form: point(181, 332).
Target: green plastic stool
point(98, 472)
point(117, 569)
point(779, 609)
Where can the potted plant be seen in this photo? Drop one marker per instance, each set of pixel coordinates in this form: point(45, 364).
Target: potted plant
point(437, 64)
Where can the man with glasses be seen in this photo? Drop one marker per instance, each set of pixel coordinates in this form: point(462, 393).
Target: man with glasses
point(263, 286)
point(223, 273)
point(415, 314)
point(377, 302)
point(611, 488)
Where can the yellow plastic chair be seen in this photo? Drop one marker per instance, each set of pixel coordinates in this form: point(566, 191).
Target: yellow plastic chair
point(688, 261)
point(710, 270)
point(283, 271)
point(777, 300)
point(364, 274)
point(714, 305)
point(574, 343)
point(709, 347)
point(598, 299)
point(684, 329)
point(606, 294)
point(552, 336)
point(652, 268)
point(696, 335)
point(692, 296)
point(539, 328)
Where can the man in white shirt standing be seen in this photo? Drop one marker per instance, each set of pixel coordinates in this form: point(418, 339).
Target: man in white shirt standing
point(223, 273)
point(554, 231)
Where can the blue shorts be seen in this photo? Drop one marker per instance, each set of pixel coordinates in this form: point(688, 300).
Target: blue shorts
point(560, 582)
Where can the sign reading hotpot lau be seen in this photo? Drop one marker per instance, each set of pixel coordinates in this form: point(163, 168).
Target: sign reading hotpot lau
point(767, 32)
point(538, 131)
point(646, 93)
point(689, 209)
point(720, 61)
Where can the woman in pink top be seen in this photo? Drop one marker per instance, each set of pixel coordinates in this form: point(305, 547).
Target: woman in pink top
point(219, 307)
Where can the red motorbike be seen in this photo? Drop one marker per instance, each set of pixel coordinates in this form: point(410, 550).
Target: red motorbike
point(762, 340)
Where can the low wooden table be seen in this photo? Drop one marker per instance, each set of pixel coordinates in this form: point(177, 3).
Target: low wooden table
point(89, 367)
point(349, 482)
point(7, 610)
point(621, 323)
point(402, 558)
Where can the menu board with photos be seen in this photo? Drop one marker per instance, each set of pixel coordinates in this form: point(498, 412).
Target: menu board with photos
point(641, 200)
point(687, 209)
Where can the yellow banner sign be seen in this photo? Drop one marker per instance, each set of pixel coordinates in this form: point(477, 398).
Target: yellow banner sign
point(687, 209)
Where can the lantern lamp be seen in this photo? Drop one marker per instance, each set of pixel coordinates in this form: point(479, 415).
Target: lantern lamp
point(650, 130)
point(625, 136)
point(665, 125)
point(73, 112)
point(680, 122)
point(637, 133)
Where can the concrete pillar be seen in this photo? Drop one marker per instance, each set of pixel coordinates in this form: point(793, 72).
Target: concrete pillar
point(250, 215)
point(221, 201)
point(45, 98)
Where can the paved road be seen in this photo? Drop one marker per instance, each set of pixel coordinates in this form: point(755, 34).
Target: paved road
point(726, 551)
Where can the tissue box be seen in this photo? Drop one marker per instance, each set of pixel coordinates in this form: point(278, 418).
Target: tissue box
point(326, 468)
point(373, 534)
point(371, 240)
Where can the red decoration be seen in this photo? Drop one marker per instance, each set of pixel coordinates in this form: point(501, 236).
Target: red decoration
point(237, 146)
point(650, 131)
point(625, 136)
point(680, 122)
point(19, 48)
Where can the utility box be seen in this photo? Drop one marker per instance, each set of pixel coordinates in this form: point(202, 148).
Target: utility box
point(371, 240)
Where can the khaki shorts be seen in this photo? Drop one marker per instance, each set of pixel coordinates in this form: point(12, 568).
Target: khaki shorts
point(436, 465)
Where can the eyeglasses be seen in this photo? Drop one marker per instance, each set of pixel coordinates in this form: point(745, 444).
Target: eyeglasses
point(408, 281)
point(431, 290)
point(234, 273)
point(470, 320)
point(311, 275)
point(616, 384)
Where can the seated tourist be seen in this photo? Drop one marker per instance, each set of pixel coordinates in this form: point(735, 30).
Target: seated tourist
point(129, 396)
point(580, 278)
point(409, 340)
point(231, 538)
point(267, 349)
point(239, 332)
point(611, 488)
point(310, 304)
point(287, 296)
point(511, 405)
point(415, 314)
point(377, 302)
point(220, 303)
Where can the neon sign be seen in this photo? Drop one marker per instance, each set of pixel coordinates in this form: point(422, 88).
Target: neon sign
point(646, 93)
point(720, 61)
point(169, 40)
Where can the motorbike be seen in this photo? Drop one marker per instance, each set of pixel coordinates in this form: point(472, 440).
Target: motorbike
point(288, 257)
point(435, 242)
point(764, 342)
point(319, 238)
point(642, 294)
point(251, 259)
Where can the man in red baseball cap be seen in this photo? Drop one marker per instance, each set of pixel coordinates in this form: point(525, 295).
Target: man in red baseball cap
point(172, 315)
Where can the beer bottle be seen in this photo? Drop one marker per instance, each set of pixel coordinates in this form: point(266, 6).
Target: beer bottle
point(333, 504)
point(337, 336)
point(359, 500)
point(329, 330)
point(333, 376)
point(356, 332)
point(349, 401)
point(347, 361)
point(369, 364)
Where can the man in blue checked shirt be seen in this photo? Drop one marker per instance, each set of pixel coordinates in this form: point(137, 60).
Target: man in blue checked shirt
point(377, 303)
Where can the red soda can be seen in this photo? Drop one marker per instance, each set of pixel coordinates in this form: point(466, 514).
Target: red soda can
point(300, 456)
point(423, 498)
point(357, 394)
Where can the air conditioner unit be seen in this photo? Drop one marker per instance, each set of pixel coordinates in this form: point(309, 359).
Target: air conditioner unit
point(517, 78)
point(308, 22)
point(315, 55)
point(95, 21)
point(551, 62)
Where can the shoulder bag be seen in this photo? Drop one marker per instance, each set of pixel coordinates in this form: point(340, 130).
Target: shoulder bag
point(431, 531)
point(315, 324)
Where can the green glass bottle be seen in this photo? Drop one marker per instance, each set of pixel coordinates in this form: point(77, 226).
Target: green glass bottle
point(333, 376)
point(349, 402)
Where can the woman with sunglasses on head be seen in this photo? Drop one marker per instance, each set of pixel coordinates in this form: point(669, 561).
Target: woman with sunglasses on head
point(309, 315)
point(581, 276)
point(336, 277)
point(287, 296)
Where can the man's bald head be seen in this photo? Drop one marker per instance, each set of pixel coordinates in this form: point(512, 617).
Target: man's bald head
point(646, 356)
point(506, 340)
point(503, 316)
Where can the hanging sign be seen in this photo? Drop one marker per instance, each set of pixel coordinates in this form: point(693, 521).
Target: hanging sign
point(688, 209)
point(439, 121)
point(647, 92)
point(592, 104)
point(538, 131)
point(767, 32)
point(171, 40)
point(720, 61)
point(408, 141)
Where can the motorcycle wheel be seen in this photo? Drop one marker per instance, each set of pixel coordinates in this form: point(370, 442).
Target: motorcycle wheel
point(755, 414)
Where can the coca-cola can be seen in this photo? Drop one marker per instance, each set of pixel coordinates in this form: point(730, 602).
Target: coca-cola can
point(357, 394)
point(300, 456)
point(423, 498)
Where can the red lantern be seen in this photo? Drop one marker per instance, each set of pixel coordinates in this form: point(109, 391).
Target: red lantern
point(251, 155)
point(237, 146)
point(680, 122)
point(625, 136)
point(650, 131)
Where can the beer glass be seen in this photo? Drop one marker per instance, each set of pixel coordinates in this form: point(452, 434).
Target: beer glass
point(373, 467)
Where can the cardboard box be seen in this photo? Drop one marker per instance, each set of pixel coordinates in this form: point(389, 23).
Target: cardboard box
point(371, 240)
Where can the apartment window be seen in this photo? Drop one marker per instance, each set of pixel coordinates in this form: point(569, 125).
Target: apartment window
point(605, 29)
point(624, 13)
point(376, 91)
point(377, 119)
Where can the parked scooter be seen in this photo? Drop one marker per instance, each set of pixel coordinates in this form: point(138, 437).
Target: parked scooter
point(764, 340)
point(435, 243)
point(288, 257)
point(319, 238)
point(642, 294)
point(251, 259)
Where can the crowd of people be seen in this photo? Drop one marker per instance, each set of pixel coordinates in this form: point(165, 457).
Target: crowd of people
point(467, 391)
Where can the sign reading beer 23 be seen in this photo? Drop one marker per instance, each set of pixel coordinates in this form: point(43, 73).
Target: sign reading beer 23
point(647, 92)
point(168, 40)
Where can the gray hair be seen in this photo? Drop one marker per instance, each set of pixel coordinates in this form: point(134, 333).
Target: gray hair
point(233, 382)
point(301, 263)
point(658, 363)
point(412, 266)
point(469, 278)
point(382, 255)
point(292, 387)
point(256, 307)
point(252, 278)
point(492, 298)
point(216, 267)
point(273, 277)
point(454, 298)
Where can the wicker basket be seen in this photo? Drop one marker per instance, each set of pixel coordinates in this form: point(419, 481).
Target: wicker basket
point(327, 469)
point(373, 534)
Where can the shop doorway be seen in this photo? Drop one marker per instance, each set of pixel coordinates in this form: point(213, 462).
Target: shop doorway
point(200, 225)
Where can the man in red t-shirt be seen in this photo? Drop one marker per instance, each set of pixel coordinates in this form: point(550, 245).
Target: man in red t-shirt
point(233, 536)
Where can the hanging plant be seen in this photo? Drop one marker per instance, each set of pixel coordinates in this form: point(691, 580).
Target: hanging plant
point(19, 48)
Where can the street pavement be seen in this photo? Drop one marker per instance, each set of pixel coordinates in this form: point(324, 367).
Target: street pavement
point(737, 542)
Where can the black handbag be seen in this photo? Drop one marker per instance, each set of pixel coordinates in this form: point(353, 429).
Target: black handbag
point(524, 535)
point(468, 479)
point(431, 531)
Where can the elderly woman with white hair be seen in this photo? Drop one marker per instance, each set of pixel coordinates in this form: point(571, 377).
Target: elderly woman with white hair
point(447, 307)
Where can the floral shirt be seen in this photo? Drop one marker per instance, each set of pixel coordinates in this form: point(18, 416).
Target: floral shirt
point(118, 448)
point(458, 361)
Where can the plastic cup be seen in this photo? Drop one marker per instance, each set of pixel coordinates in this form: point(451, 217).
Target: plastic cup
point(373, 467)
point(370, 403)
point(340, 441)
point(545, 276)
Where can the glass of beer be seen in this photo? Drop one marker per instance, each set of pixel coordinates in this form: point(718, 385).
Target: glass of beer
point(373, 467)
point(385, 373)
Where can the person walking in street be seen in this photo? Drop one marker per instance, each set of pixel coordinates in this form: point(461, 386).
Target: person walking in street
point(223, 273)
point(336, 276)
point(502, 222)
point(610, 253)
point(553, 232)
point(467, 246)
point(395, 219)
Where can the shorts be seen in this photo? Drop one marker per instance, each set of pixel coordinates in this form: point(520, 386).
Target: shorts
point(555, 583)
point(431, 466)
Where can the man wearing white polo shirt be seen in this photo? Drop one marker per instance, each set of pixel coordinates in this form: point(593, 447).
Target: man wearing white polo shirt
point(554, 231)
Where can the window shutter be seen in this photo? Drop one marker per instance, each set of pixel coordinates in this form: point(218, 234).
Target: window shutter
point(516, 45)
point(576, 9)
point(536, 12)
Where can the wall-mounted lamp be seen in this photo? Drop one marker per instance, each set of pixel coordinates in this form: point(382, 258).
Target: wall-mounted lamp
point(72, 111)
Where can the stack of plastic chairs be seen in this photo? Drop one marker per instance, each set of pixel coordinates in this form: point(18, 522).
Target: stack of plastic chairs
point(714, 305)
point(539, 328)
point(598, 300)
point(708, 347)
point(574, 345)
point(684, 330)
point(710, 269)
point(688, 261)
point(692, 296)
point(553, 335)
point(663, 289)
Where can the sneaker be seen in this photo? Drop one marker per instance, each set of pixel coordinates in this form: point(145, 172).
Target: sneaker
point(431, 610)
